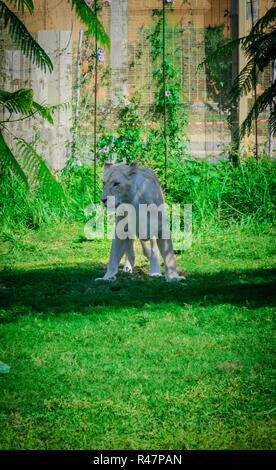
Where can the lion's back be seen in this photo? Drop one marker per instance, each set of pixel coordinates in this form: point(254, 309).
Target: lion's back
point(149, 175)
point(150, 186)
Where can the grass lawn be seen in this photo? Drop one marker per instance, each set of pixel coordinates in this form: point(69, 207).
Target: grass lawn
point(139, 363)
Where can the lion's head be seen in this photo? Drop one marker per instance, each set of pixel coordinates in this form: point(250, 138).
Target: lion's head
point(118, 182)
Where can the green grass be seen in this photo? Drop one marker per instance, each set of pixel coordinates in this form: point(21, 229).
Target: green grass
point(139, 363)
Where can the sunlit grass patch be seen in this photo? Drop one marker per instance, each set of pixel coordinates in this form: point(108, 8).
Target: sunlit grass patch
point(138, 363)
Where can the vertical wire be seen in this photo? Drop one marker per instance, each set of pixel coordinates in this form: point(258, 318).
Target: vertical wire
point(77, 94)
point(95, 110)
point(255, 91)
point(164, 89)
point(272, 105)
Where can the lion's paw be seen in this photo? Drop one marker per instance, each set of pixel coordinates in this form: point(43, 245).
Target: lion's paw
point(127, 269)
point(106, 279)
point(176, 279)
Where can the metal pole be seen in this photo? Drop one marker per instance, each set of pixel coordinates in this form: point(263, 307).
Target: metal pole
point(272, 104)
point(255, 91)
point(164, 89)
point(95, 110)
point(77, 94)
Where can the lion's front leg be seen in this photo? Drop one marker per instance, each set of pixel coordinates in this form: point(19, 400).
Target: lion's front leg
point(166, 249)
point(118, 249)
point(130, 257)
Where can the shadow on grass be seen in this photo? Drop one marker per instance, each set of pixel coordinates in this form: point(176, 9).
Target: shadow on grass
point(72, 289)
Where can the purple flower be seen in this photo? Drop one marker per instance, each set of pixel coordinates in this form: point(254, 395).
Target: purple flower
point(88, 3)
point(108, 1)
point(168, 1)
point(106, 149)
point(100, 55)
point(167, 93)
point(78, 163)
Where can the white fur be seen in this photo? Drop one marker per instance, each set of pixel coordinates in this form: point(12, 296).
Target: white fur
point(137, 186)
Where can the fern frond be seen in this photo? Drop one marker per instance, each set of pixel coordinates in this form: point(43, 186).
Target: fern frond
point(20, 101)
point(63, 106)
point(259, 46)
point(89, 18)
point(245, 81)
point(24, 39)
point(263, 50)
point(47, 111)
point(255, 43)
point(260, 105)
point(265, 21)
point(39, 173)
point(9, 159)
point(221, 51)
point(273, 120)
point(21, 4)
point(43, 111)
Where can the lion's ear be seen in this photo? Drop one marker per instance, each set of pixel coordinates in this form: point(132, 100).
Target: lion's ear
point(133, 169)
point(107, 165)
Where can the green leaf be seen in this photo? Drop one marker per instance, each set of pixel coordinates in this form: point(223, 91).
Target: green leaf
point(89, 18)
point(21, 4)
point(262, 102)
point(245, 81)
point(259, 47)
point(24, 39)
point(265, 21)
point(221, 51)
point(44, 112)
point(39, 173)
point(47, 111)
point(20, 101)
point(9, 159)
point(262, 50)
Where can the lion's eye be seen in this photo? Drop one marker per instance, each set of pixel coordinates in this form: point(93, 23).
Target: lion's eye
point(116, 183)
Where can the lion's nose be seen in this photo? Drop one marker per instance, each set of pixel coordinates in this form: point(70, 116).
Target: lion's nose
point(103, 199)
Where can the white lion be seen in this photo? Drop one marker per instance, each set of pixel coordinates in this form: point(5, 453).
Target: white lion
point(138, 188)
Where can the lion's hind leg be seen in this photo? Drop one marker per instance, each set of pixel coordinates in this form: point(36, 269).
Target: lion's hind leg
point(152, 254)
point(166, 250)
point(154, 259)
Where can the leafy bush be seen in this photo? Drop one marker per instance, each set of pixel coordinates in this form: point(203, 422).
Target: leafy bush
point(25, 207)
point(77, 180)
point(219, 192)
point(222, 192)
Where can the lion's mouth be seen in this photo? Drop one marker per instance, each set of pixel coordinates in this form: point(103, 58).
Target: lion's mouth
point(111, 207)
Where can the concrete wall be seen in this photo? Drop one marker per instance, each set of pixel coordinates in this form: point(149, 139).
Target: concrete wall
point(49, 89)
